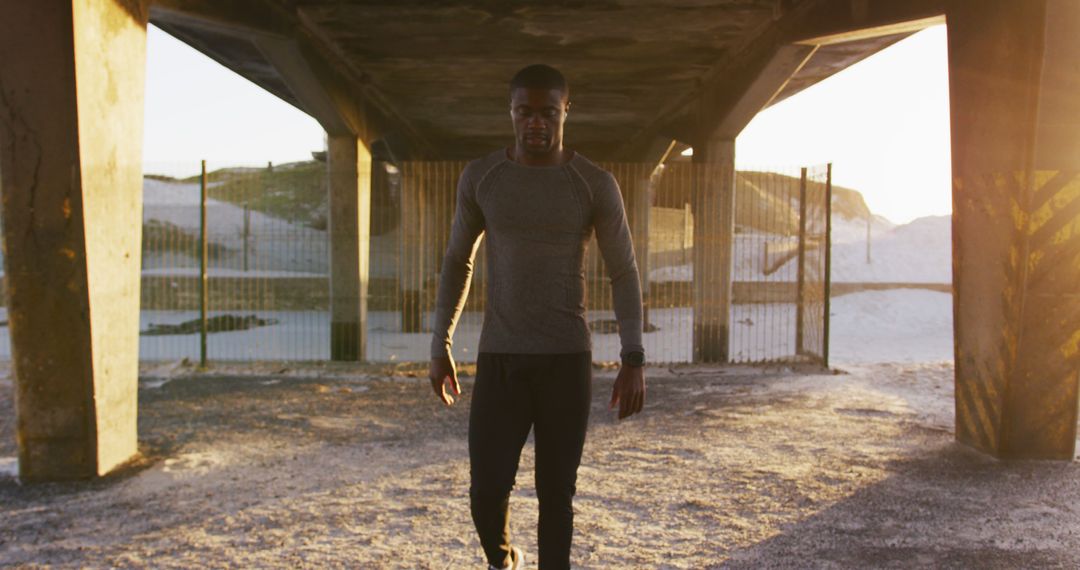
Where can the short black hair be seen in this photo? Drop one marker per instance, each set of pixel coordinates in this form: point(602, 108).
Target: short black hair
point(540, 76)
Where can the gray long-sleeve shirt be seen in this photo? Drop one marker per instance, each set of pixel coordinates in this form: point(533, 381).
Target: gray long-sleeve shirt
point(537, 222)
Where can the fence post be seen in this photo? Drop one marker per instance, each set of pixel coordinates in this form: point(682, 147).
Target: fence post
point(203, 293)
point(828, 262)
point(801, 284)
point(869, 220)
point(637, 184)
point(688, 232)
point(247, 231)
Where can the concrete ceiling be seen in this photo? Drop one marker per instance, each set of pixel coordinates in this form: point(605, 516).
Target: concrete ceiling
point(433, 74)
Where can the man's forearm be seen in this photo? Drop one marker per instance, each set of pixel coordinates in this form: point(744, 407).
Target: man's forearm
point(626, 299)
point(449, 301)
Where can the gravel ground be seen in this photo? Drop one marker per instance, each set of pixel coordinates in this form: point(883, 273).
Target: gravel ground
point(727, 467)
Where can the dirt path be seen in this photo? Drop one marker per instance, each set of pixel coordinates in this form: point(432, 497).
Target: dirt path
point(728, 467)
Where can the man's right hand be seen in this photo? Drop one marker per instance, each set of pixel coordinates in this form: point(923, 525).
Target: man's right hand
point(442, 372)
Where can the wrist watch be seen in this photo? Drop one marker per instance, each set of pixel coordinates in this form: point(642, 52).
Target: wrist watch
point(635, 359)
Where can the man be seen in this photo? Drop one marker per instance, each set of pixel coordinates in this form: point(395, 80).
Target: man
point(538, 204)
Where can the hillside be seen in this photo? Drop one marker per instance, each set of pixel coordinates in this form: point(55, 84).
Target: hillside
point(917, 252)
point(296, 192)
point(767, 202)
point(847, 203)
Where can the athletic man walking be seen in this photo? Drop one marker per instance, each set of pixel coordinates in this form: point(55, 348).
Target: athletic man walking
point(538, 204)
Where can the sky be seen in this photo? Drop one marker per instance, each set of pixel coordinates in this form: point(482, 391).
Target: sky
point(198, 109)
point(883, 123)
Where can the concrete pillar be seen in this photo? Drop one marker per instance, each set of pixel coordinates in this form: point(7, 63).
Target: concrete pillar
point(350, 245)
point(71, 117)
point(639, 194)
point(713, 204)
point(322, 93)
point(414, 240)
point(1014, 78)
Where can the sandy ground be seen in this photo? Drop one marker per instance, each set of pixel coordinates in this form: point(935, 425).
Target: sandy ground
point(727, 467)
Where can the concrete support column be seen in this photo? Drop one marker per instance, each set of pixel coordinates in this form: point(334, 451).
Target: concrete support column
point(713, 204)
point(413, 254)
point(71, 117)
point(639, 201)
point(350, 246)
point(1014, 79)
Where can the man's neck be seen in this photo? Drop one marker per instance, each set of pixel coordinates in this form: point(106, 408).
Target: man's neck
point(554, 158)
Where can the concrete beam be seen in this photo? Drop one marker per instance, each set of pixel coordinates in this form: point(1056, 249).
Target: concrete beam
point(658, 151)
point(350, 245)
point(836, 21)
point(766, 52)
point(908, 27)
point(338, 113)
point(247, 18)
point(319, 80)
point(72, 76)
point(696, 115)
point(1016, 198)
point(765, 85)
point(376, 102)
point(272, 35)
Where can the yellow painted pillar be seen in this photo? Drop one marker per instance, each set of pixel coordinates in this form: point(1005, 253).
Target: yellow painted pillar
point(71, 117)
point(1014, 80)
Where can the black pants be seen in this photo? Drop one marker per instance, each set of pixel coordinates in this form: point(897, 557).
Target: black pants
point(514, 392)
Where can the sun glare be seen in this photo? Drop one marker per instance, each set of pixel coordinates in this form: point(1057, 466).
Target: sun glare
point(883, 123)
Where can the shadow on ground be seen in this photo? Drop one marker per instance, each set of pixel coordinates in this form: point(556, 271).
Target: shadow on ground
point(947, 508)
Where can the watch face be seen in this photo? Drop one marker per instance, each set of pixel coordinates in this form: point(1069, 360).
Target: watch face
point(635, 358)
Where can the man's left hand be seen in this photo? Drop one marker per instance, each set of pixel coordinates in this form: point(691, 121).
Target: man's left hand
point(629, 390)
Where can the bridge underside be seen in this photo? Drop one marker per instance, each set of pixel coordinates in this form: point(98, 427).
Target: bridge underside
point(436, 75)
point(391, 81)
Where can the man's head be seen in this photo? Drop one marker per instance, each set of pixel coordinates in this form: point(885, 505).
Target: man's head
point(539, 102)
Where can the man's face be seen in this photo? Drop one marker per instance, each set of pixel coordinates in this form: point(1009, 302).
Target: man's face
point(538, 116)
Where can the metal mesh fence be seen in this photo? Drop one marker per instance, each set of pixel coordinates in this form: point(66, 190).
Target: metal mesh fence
point(267, 257)
point(779, 273)
point(267, 266)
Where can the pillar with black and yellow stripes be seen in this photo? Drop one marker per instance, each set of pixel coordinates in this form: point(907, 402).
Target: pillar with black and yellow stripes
point(1014, 69)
